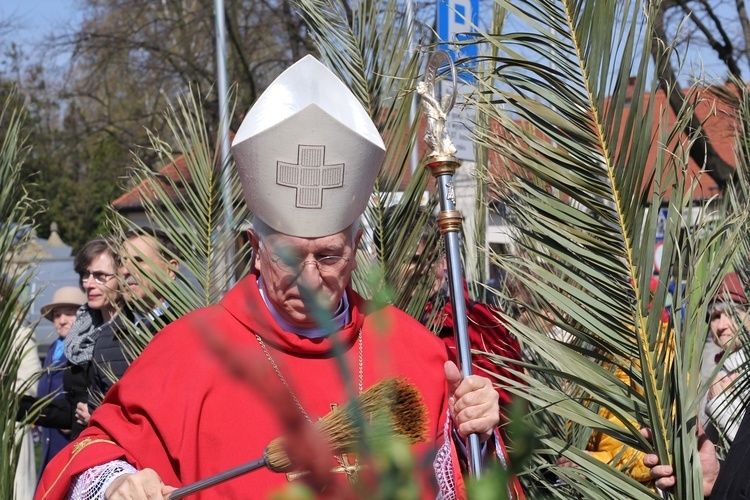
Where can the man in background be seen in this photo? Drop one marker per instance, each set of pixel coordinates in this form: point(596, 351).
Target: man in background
point(148, 262)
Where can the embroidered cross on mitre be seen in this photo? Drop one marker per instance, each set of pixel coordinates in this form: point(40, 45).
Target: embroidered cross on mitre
point(310, 175)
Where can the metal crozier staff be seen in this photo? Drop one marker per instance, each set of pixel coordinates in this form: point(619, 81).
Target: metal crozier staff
point(443, 164)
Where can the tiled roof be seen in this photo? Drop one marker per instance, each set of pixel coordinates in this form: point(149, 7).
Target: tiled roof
point(717, 118)
point(718, 125)
point(718, 121)
point(177, 171)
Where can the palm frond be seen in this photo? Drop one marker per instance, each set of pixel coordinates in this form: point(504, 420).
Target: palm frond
point(200, 211)
point(16, 342)
point(574, 131)
point(369, 46)
point(735, 399)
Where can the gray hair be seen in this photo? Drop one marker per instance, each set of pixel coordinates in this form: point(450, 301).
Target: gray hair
point(263, 230)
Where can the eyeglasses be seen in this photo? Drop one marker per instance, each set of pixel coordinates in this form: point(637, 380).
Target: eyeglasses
point(327, 264)
point(99, 277)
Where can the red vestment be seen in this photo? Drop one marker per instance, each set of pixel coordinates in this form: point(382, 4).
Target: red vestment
point(487, 333)
point(179, 411)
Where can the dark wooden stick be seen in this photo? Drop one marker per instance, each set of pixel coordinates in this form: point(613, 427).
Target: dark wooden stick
point(218, 478)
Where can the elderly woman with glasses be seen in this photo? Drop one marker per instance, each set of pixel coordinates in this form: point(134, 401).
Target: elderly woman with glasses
point(728, 319)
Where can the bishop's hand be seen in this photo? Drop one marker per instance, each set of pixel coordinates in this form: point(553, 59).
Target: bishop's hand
point(145, 484)
point(473, 403)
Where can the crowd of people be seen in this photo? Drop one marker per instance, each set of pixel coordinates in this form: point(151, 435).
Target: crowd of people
point(270, 354)
point(91, 351)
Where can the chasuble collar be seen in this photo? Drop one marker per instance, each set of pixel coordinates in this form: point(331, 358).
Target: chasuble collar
point(245, 303)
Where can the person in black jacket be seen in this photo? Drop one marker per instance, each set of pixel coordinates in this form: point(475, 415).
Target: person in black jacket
point(61, 311)
point(97, 266)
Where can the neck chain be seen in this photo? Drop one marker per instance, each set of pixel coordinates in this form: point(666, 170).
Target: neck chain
point(350, 470)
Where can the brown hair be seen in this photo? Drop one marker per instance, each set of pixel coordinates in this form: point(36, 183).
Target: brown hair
point(93, 249)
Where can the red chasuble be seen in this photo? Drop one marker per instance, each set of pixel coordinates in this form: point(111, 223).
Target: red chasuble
point(179, 411)
point(487, 333)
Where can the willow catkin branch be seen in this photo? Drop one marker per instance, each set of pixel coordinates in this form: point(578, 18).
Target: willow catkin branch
point(276, 457)
point(395, 401)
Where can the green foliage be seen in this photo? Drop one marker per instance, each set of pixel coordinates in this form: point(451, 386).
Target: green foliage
point(75, 170)
point(521, 443)
point(367, 44)
point(575, 138)
point(408, 259)
point(557, 112)
point(201, 211)
point(735, 201)
point(16, 341)
point(131, 58)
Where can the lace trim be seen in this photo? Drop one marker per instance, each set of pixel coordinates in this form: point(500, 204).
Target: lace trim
point(76, 449)
point(503, 460)
point(443, 466)
point(92, 484)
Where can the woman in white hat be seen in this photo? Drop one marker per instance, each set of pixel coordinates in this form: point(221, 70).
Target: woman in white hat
point(61, 311)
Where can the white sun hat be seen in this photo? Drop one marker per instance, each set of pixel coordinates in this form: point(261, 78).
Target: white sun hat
point(308, 153)
point(63, 297)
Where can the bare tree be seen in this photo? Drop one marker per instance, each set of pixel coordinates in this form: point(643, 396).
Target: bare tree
point(718, 29)
point(130, 57)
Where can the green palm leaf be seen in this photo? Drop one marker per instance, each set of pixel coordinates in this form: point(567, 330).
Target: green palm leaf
point(16, 341)
point(735, 201)
point(368, 44)
point(576, 140)
point(202, 215)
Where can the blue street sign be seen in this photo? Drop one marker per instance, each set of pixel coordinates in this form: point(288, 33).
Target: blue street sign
point(456, 18)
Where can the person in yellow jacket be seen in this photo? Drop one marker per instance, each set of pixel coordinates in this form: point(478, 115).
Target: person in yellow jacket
point(609, 450)
point(613, 452)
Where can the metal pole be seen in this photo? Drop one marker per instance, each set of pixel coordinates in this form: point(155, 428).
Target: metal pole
point(413, 109)
point(223, 89)
point(217, 478)
point(443, 164)
point(449, 221)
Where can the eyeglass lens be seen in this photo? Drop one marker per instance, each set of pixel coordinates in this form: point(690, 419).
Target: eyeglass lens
point(98, 276)
point(329, 263)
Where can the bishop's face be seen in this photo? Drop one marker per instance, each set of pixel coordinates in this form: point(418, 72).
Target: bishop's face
point(294, 269)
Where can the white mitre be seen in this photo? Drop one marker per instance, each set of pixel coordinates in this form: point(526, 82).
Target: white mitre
point(308, 153)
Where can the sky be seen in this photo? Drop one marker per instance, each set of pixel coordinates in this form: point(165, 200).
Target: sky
point(33, 20)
